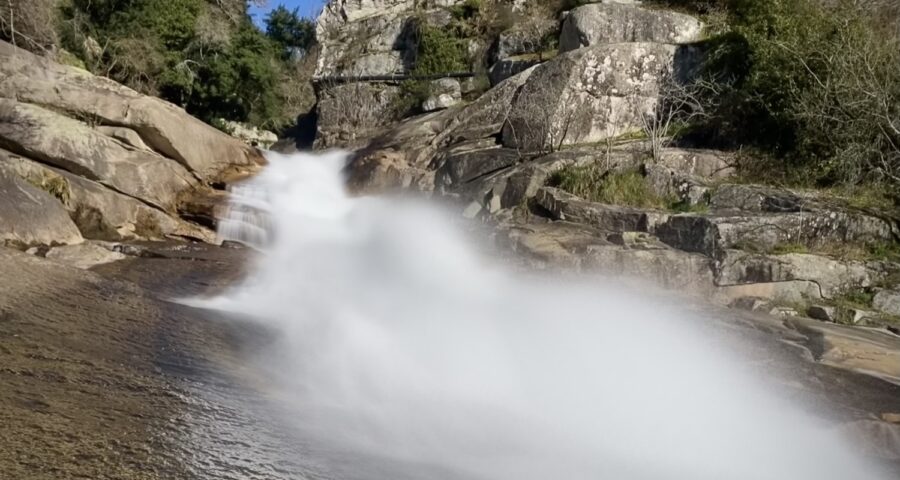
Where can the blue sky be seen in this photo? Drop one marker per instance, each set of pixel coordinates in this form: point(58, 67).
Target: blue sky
point(309, 8)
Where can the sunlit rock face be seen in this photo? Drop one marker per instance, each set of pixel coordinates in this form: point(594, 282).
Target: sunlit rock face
point(591, 94)
point(121, 164)
point(601, 23)
point(368, 37)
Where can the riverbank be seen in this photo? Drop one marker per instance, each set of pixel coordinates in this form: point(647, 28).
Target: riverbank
point(107, 379)
point(101, 377)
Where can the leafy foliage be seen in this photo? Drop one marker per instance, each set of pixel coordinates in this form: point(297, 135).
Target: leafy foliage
point(289, 30)
point(205, 56)
point(814, 87)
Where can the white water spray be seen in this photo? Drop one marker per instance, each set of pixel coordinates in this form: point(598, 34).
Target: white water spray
point(403, 346)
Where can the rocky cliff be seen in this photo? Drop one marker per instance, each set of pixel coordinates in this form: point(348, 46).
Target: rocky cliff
point(582, 113)
point(119, 164)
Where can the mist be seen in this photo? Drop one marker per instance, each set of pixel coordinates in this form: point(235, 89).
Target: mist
point(400, 343)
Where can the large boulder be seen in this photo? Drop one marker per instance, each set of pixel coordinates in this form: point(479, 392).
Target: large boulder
point(74, 146)
point(832, 277)
point(712, 234)
point(30, 216)
point(486, 116)
point(371, 37)
point(167, 129)
point(605, 23)
point(353, 112)
point(99, 212)
point(590, 94)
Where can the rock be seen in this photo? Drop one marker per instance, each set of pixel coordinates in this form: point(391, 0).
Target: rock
point(857, 316)
point(30, 216)
point(125, 135)
point(444, 93)
point(84, 255)
point(712, 234)
point(790, 292)
point(756, 198)
point(832, 277)
point(77, 148)
point(704, 164)
point(597, 24)
point(486, 116)
point(525, 36)
point(668, 183)
point(783, 312)
point(352, 112)
point(822, 312)
point(568, 207)
point(472, 210)
point(628, 239)
point(101, 213)
point(470, 165)
point(888, 301)
point(250, 135)
point(668, 268)
point(372, 37)
point(165, 128)
point(589, 94)
point(752, 304)
point(873, 438)
point(505, 68)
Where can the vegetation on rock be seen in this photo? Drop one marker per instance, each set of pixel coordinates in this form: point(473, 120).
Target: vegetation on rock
point(206, 56)
point(814, 88)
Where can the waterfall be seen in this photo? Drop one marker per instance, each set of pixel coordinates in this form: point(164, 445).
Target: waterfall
point(399, 343)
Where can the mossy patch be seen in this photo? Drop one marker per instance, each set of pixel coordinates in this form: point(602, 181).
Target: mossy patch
point(596, 184)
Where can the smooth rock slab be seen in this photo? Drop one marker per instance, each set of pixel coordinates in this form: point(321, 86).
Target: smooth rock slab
point(832, 277)
point(888, 301)
point(99, 212)
point(598, 24)
point(30, 216)
point(164, 127)
point(76, 147)
point(568, 207)
point(83, 256)
point(712, 234)
point(589, 94)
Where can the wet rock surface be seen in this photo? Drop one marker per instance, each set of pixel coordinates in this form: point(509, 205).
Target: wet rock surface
point(105, 379)
point(101, 378)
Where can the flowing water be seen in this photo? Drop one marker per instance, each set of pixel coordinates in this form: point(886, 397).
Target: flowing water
point(403, 352)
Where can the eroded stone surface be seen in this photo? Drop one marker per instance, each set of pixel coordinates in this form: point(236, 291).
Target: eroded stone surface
point(602, 23)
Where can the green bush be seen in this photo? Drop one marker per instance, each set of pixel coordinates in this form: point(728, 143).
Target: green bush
point(289, 30)
point(596, 184)
point(438, 51)
point(206, 56)
point(816, 88)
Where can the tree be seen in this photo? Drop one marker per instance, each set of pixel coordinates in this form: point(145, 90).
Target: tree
point(290, 30)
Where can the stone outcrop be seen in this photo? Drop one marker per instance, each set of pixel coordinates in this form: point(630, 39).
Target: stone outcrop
point(165, 128)
point(99, 212)
point(605, 23)
point(73, 146)
point(496, 159)
point(588, 95)
point(445, 93)
point(368, 37)
point(118, 164)
point(30, 216)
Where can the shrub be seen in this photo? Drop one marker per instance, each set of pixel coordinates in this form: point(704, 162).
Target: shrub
point(815, 87)
point(438, 51)
point(29, 23)
point(289, 30)
point(596, 184)
point(205, 56)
